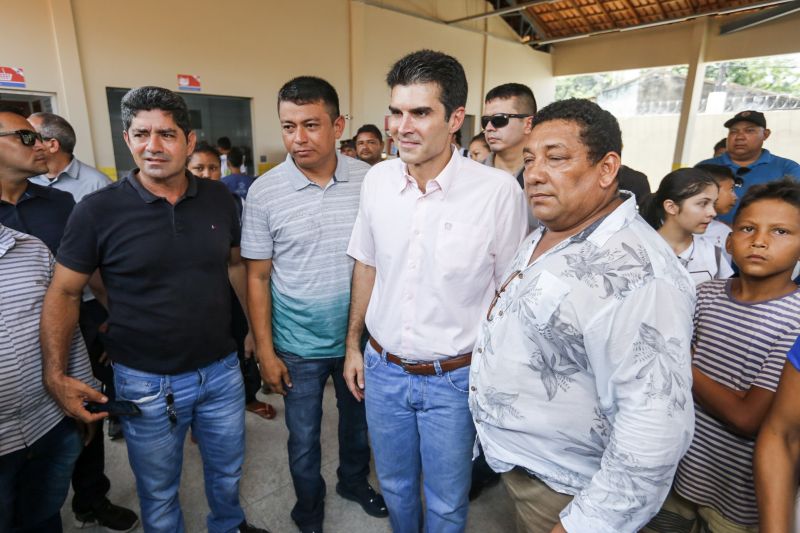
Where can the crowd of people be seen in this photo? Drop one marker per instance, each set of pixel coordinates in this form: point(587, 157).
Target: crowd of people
point(622, 360)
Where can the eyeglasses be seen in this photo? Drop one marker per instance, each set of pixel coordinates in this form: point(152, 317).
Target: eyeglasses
point(501, 291)
point(500, 120)
point(27, 137)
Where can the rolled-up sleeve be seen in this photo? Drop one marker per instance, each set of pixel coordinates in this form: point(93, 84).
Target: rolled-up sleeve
point(362, 245)
point(639, 348)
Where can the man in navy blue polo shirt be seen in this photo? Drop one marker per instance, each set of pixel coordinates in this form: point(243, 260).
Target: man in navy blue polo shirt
point(28, 207)
point(747, 157)
point(166, 244)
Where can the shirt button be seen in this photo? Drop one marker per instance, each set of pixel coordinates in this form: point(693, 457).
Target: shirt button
point(407, 327)
point(479, 350)
point(520, 275)
point(448, 226)
point(500, 313)
point(416, 232)
point(473, 389)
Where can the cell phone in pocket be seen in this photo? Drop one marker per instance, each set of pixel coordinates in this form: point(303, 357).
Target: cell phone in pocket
point(114, 408)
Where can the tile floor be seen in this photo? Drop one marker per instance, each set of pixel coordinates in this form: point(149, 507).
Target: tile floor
point(266, 488)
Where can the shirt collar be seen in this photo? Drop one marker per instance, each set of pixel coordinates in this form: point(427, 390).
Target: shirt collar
point(147, 196)
point(764, 159)
point(444, 181)
point(9, 238)
point(33, 190)
point(299, 180)
point(73, 170)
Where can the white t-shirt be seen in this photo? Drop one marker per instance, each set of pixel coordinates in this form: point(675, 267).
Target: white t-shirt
point(717, 233)
point(705, 261)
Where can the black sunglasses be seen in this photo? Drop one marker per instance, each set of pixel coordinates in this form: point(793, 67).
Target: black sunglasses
point(27, 137)
point(500, 120)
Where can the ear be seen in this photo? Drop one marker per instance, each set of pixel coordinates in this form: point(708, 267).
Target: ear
point(729, 244)
point(127, 139)
point(53, 146)
point(671, 208)
point(767, 133)
point(609, 166)
point(338, 126)
point(191, 142)
point(528, 125)
point(456, 119)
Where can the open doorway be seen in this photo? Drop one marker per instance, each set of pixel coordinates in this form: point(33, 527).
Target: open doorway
point(212, 117)
point(28, 102)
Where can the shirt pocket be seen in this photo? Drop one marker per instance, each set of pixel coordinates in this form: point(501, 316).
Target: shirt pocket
point(461, 248)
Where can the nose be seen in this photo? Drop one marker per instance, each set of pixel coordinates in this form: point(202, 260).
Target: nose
point(533, 175)
point(490, 127)
point(300, 136)
point(154, 143)
point(406, 123)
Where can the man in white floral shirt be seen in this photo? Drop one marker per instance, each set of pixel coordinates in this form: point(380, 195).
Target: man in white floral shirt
point(581, 378)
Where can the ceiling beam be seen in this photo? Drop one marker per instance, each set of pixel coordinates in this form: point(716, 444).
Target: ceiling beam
point(748, 21)
point(503, 11)
point(724, 11)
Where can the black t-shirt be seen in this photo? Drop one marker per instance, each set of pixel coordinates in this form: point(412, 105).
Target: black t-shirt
point(165, 269)
point(41, 212)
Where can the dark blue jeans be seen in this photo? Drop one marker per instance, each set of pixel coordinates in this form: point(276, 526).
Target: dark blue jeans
point(34, 481)
point(303, 415)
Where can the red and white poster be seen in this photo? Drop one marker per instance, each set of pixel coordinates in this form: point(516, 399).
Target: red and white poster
point(12, 77)
point(188, 82)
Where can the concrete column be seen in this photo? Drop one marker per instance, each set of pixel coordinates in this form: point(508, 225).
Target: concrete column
point(691, 93)
point(72, 92)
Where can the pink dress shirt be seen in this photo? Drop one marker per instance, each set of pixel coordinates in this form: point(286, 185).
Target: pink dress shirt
point(439, 256)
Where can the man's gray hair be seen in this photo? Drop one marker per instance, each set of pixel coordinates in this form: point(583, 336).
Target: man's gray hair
point(56, 127)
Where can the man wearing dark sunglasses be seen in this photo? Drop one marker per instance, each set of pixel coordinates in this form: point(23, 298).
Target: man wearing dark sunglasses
point(746, 156)
point(507, 114)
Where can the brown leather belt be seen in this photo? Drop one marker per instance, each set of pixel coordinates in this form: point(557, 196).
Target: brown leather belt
point(425, 369)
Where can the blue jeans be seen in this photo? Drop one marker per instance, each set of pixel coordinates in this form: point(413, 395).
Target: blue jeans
point(420, 425)
point(303, 415)
point(34, 481)
point(210, 400)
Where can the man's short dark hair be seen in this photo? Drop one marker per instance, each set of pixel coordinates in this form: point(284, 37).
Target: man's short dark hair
point(235, 157)
point(205, 148)
point(428, 66)
point(224, 143)
point(600, 131)
point(56, 127)
point(310, 90)
point(720, 173)
point(347, 143)
point(370, 128)
point(523, 94)
point(786, 190)
point(722, 143)
point(480, 137)
point(149, 98)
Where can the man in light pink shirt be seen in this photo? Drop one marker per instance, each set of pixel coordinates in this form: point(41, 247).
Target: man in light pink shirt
point(433, 238)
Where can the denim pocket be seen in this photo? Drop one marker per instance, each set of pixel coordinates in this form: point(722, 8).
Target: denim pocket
point(371, 358)
point(231, 361)
point(140, 391)
point(459, 379)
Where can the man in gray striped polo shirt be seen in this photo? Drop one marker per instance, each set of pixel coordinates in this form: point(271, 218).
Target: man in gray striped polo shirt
point(297, 223)
point(38, 445)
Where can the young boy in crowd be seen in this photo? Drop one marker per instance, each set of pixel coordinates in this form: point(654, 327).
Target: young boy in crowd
point(743, 329)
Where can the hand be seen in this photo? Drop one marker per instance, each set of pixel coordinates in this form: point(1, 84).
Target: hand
point(354, 372)
point(274, 373)
point(558, 528)
point(249, 345)
point(87, 431)
point(71, 395)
